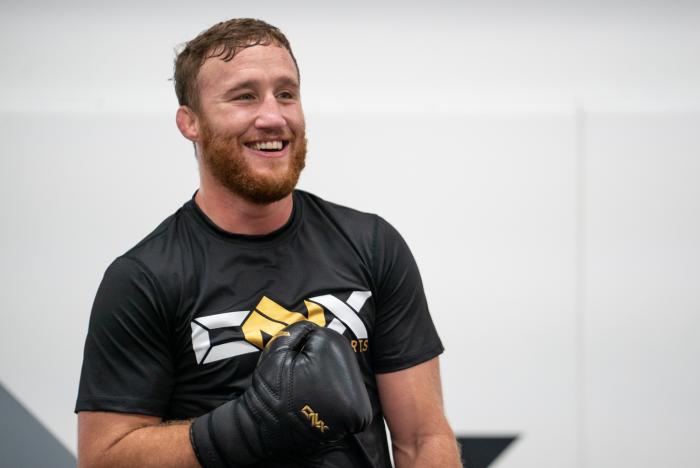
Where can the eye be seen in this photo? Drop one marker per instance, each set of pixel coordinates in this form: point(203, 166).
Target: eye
point(285, 95)
point(244, 97)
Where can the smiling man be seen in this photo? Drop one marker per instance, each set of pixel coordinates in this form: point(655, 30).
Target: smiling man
point(259, 325)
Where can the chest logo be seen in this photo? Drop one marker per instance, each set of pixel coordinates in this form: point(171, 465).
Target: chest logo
point(268, 318)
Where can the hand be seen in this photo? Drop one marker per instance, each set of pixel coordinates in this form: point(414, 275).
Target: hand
point(306, 392)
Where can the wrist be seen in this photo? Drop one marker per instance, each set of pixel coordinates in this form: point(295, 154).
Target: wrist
point(203, 443)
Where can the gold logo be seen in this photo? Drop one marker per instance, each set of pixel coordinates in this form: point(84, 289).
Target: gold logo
point(270, 317)
point(312, 416)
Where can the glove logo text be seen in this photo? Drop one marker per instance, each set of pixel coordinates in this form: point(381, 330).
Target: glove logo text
point(314, 418)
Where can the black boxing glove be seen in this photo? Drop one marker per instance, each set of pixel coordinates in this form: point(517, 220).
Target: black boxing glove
point(306, 392)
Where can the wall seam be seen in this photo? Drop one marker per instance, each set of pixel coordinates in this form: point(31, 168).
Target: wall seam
point(580, 276)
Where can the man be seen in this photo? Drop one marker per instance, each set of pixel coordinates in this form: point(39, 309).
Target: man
point(173, 373)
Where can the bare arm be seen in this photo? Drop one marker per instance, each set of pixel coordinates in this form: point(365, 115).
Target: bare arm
point(412, 404)
point(112, 440)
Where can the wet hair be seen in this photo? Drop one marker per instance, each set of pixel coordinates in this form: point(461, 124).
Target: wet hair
point(223, 41)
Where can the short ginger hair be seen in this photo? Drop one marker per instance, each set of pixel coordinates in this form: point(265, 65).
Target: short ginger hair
point(223, 41)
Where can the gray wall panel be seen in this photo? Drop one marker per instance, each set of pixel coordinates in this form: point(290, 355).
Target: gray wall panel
point(643, 262)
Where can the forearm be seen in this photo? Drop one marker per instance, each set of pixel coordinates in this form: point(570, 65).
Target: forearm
point(166, 444)
point(427, 451)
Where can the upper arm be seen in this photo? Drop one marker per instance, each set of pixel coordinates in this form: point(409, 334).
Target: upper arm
point(404, 334)
point(405, 350)
point(127, 359)
point(99, 431)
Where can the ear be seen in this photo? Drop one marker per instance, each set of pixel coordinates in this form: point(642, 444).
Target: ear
point(187, 123)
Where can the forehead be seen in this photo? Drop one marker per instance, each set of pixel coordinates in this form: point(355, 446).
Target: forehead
point(257, 63)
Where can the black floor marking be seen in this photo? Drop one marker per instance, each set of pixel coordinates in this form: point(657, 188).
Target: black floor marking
point(480, 452)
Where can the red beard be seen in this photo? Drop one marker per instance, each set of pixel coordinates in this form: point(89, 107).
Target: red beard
point(223, 157)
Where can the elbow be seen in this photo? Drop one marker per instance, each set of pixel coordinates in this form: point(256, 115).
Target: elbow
point(427, 449)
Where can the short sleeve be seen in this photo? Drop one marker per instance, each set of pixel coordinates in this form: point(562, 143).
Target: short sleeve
point(404, 331)
point(127, 362)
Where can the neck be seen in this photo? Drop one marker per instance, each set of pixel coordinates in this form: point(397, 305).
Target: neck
point(234, 214)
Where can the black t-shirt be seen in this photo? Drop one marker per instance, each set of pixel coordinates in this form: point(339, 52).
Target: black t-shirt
point(179, 320)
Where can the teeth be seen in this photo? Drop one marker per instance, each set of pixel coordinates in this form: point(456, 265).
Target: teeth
point(267, 145)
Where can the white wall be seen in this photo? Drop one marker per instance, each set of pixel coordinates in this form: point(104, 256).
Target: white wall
point(541, 158)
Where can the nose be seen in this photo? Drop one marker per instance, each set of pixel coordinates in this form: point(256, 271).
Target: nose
point(270, 114)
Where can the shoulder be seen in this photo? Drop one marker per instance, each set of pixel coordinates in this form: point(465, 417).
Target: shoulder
point(157, 258)
point(164, 246)
point(349, 219)
point(335, 210)
point(366, 228)
point(152, 247)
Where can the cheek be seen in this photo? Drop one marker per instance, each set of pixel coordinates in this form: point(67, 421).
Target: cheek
point(233, 122)
point(237, 126)
point(295, 119)
point(297, 124)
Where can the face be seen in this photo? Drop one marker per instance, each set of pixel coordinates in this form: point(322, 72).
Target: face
point(251, 124)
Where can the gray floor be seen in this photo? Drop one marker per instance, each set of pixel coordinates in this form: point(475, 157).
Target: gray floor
point(25, 442)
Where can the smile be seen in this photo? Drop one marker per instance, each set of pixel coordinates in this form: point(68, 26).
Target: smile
point(272, 145)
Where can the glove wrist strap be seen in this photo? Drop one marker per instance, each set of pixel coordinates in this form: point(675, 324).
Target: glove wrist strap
point(203, 444)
